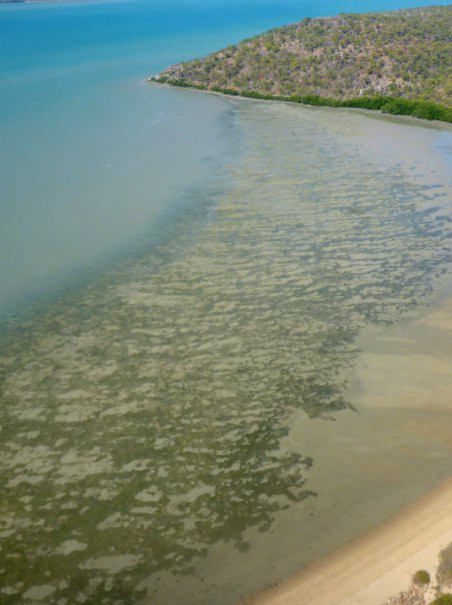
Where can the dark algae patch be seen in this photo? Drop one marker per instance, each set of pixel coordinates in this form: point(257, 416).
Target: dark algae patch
point(144, 415)
point(397, 62)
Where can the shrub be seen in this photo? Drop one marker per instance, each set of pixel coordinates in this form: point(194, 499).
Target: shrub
point(392, 105)
point(445, 599)
point(396, 106)
point(444, 571)
point(421, 577)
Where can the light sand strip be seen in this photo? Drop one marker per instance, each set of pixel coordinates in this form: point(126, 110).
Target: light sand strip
point(377, 565)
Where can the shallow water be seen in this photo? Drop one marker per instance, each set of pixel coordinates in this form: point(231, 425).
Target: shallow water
point(146, 415)
point(204, 267)
point(90, 160)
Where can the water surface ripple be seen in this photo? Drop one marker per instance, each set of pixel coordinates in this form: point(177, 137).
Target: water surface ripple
point(142, 415)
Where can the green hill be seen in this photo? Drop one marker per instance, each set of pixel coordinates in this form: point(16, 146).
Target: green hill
point(395, 56)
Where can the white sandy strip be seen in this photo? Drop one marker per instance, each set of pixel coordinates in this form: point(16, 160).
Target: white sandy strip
point(378, 565)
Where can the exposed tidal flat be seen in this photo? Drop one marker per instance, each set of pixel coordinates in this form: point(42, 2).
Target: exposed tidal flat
point(192, 424)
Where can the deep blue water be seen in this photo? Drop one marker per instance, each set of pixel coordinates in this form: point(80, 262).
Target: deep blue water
point(90, 157)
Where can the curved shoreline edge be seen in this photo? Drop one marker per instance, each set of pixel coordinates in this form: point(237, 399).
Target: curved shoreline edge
point(377, 566)
point(269, 597)
point(399, 106)
point(363, 571)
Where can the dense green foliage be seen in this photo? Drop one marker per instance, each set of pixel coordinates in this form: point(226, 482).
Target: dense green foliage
point(421, 577)
point(397, 56)
point(445, 599)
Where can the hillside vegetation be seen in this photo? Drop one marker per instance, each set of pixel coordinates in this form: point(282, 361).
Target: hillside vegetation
point(404, 55)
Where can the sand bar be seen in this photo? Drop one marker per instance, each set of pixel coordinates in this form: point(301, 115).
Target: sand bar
point(377, 565)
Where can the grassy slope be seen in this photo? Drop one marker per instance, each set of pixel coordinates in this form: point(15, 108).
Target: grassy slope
point(394, 57)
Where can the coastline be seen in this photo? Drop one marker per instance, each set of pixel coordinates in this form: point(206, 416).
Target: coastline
point(302, 533)
point(362, 479)
point(377, 565)
point(154, 402)
point(376, 114)
point(438, 113)
point(393, 374)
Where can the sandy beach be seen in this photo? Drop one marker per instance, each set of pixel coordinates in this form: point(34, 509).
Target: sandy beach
point(380, 564)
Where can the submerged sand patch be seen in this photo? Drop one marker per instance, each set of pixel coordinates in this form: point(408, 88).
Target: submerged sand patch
point(407, 365)
point(189, 408)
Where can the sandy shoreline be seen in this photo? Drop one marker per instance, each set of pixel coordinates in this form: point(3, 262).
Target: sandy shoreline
point(396, 369)
point(379, 564)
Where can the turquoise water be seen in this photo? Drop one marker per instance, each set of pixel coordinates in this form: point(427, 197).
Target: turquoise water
point(89, 157)
point(195, 272)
